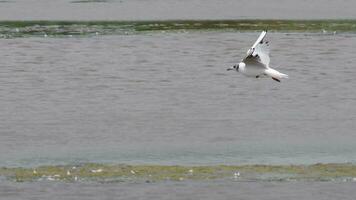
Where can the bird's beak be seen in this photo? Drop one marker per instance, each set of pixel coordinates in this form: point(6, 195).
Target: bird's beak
point(230, 68)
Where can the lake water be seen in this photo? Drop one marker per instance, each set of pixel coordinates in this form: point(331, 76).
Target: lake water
point(178, 190)
point(165, 98)
point(173, 9)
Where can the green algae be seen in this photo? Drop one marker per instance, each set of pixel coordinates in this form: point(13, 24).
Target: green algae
point(121, 172)
point(10, 29)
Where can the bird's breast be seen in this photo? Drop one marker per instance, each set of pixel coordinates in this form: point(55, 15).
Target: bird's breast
point(252, 71)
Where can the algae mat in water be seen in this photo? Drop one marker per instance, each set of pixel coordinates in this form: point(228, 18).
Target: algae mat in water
point(148, 173)
point(9, 29)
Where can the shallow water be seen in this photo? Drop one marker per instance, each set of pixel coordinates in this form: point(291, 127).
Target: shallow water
point(180, 190)
point(166, 98)
point(173, 9)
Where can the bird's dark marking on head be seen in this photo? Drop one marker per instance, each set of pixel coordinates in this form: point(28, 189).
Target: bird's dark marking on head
point(257, 76)
point(276, 79)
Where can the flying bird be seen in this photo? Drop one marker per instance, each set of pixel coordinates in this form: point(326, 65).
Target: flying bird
point(256, 62)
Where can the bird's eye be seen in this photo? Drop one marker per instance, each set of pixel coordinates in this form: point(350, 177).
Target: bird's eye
point(234, 66)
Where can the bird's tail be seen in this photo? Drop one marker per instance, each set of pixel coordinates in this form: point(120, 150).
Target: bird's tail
point(275, 74)
point(283, 75)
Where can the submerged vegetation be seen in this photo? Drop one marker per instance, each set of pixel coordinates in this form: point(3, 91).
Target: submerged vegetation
point(9, 29)
point(149, 173)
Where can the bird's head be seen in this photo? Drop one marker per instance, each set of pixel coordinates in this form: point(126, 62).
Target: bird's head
point(235, 67)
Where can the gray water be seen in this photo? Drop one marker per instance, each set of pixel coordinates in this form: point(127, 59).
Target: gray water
point(177, 190)
point(175, 9)
point(166, 98)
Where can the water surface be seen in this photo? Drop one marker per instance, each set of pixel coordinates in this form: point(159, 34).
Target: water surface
point(175, 9)
point(166, 98)
point(110, 93)
point(179, 190)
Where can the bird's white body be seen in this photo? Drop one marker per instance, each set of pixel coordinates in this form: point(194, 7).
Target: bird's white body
point(256, 62)
point(250, 71)
point(257, 72)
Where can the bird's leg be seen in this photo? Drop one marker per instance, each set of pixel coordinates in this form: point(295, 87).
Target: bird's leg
point(276, 79)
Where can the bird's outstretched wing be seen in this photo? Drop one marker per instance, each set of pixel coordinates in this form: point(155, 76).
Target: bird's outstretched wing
point(259, 39)
point(258, 54)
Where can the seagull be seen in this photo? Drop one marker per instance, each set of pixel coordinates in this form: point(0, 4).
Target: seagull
point(256, 62)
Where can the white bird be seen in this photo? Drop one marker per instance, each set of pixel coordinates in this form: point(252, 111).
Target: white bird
point(236, 174)
point(96, 170)
point(256, 62)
